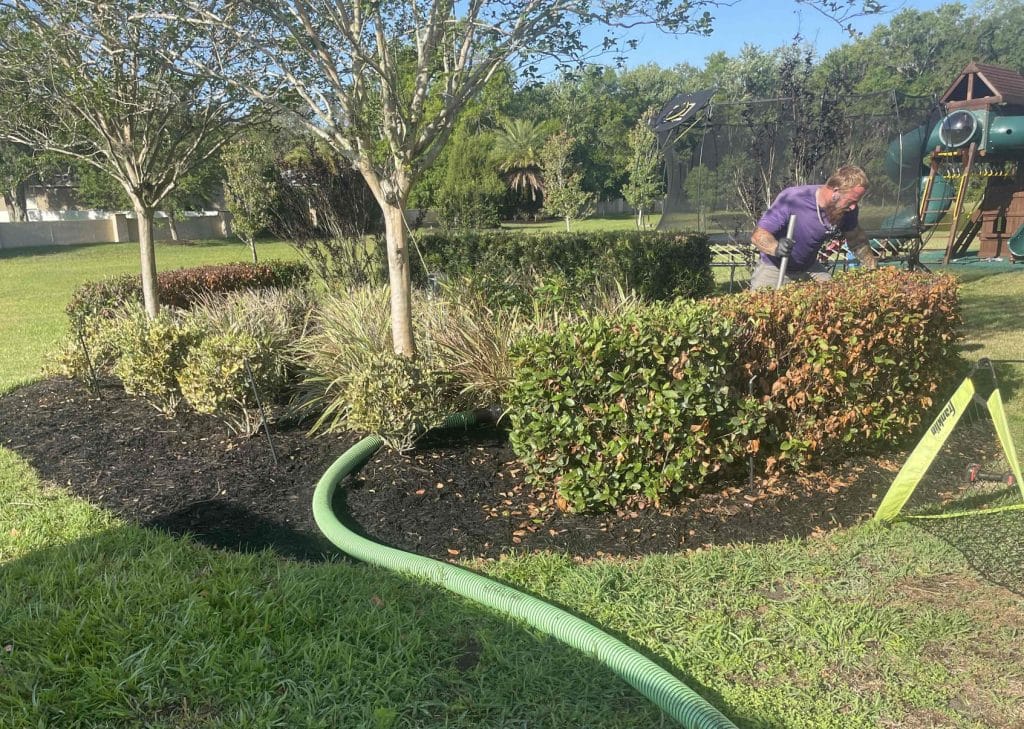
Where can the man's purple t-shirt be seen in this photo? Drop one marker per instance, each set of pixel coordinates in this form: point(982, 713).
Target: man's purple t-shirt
point(812, 228)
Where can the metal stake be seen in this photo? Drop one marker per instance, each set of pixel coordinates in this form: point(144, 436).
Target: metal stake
point(93, 379)
point(259, 403)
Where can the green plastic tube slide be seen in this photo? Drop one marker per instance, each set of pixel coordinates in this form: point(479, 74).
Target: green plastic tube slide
point(1016, 243)
point(674, 697)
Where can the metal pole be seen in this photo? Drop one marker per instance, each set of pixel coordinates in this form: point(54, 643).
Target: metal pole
point(785, 259)
point(94, 381)
point(263, 413)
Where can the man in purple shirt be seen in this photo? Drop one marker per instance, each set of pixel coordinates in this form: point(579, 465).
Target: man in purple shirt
point(823, 213)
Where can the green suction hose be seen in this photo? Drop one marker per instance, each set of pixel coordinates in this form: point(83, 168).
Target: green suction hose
point(674, 697)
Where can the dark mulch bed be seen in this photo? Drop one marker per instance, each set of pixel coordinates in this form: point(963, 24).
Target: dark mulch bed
point(457, 496)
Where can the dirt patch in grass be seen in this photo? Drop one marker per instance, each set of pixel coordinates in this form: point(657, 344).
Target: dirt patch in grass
point(459, 495)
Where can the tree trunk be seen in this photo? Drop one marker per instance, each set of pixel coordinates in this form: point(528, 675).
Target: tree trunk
point(147, 256)
point(172, 225)
point(252, 247)
point(15, 200)
point(21, 202)
point(399, 279)
point(639, 218)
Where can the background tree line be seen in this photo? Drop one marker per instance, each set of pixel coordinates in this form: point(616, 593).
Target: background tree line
point(491, 170)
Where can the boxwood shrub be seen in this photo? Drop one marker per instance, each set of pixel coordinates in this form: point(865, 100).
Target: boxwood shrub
point(638, 406)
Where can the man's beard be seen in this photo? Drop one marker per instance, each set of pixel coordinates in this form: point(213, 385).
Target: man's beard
point(834, 213)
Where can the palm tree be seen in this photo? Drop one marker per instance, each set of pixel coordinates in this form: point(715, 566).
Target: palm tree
point(517, 148)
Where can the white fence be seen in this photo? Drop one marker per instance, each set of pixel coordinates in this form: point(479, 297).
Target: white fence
point(117, 228)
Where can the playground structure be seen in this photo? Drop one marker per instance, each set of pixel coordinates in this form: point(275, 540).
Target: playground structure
point(952, 164)
point(980, 138)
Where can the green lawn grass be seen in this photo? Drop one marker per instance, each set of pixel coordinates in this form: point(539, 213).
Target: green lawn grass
point(107, 625)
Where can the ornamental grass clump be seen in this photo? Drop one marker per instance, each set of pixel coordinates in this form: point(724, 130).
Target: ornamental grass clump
point(353, 381)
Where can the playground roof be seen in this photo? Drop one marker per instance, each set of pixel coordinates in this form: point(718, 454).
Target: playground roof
point(981, 85)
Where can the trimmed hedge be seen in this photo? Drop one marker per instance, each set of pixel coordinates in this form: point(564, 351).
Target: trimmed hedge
point(180, 288)
point(655, 403)
point(851, 365)
point(636, 406)
point(657, 266)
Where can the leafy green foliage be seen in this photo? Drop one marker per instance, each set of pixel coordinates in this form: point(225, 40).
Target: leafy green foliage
point(564, 196)
point(254, 328)
point(396, 398)
point(199, 356)
point(471, 193)
point(214, 380)
point(252, 186)
point(150, 352)
point(645, 187)
point(635, 406)
point(655, 403)
point(507, 267)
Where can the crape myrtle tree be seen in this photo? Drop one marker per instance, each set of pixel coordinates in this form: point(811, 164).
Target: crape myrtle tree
point(107, 83)
point(385, 80)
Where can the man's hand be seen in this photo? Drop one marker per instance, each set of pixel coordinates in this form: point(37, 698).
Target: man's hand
point(784, 247)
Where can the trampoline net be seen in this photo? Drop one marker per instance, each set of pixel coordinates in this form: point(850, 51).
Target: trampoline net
point(723, 171)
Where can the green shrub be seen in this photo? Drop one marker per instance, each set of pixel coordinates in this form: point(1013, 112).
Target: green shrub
point(470, 338)
point(88, 352)
point(648, 404)
point(214, 381)
point(198, 355)
point(258, 327)
point(150, 352)
point(103, 298)
point(631, 407)
point(395, 398)
point(656, 266)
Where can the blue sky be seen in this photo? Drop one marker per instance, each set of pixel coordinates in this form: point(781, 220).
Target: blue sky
point(766, 23)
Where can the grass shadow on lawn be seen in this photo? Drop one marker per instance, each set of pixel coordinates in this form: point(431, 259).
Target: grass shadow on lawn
point(178, 633)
